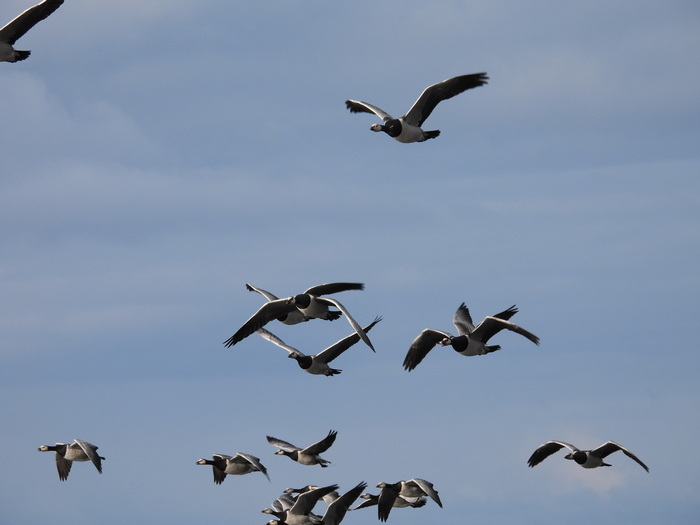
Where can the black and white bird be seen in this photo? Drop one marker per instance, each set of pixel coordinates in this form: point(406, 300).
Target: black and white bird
point(470, 341)
point(15, 29)
point(412, 488)
point(586, 458)
point(408, 127)
point(67, 453)
point(318, 364)
point(310, 304)
point(295, 316)
point(305, 456)
point(223, 465)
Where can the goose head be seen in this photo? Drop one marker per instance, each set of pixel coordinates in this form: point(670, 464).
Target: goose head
point(391, 127)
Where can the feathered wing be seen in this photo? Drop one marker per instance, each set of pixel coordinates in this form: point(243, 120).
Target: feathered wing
point(433, 95)
point(219, 461)
point(276, 340)
point(421, 345)
point(253, 461)
point(331, 288)
point(609, 447)
point(370, 501)
point(267, 295)
point(63, 465)
point(427, 487)
point(15, 29)
point(463, 320)
point(91, 452)
point(357, 106)
point(547, 449)
point(490, 326)
point(386, 501)
point(283, 502)
point(333, 351)
point(323, 445)
point(269, 311)
point(336, 511)
point(350, 319)
point(281, 444)
point(506, 314)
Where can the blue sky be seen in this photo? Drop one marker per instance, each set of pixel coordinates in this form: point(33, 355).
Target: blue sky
point(155, 158)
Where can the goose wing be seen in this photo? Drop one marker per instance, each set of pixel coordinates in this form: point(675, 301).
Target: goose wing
point(357, 106)
point(427, 487)
point(547, 449)
point(283, 502)
point(266, 313)
point(386, 500)
point(421, 345)
point(276, 340)
point(609, 447)
point(323, 445)
point(91, 452)
point(253, 461)
point(490, 326)
point(370, 501)
point(62, 464)
point(281, 444)
point(506, 314)
point(15, 29)
point(333, 351)
point(329, 288)
point(350, 319)
point(336, 511)
point(433, 95)
point(219, 467)
point(267, 295)
point(463, 320)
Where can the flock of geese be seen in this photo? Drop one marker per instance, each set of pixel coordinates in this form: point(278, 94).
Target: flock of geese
point(296, 506)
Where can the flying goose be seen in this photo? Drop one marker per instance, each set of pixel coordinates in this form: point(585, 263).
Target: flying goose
point(15, 29)
point(470, 341)
point(300, 513)
point(412, 488)
point(408, 127)
point(318, 364)
point(67, 453)
point(310, 304)
point(585, 458)
point(293, 317)
point(399, 503)
point(237, 465)
point(306, 456)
